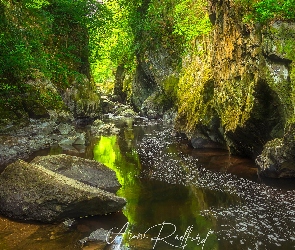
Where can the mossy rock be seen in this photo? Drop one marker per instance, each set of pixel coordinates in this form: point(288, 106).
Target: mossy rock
point(277, 159)
point(266, 122)
point(12, 116)
point(35, 109)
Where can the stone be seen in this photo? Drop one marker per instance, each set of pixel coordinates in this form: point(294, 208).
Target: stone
point(32, 192)
point(77, 139)
point(152, 107)
point(128, 113)
point(65, 129)
point(67, 141)
point(87, 171)
point(105, 129)
point(200, 142)
point(277, 159)
point(80, 139)
point(97, 235)
point(81, 99)
point(97, 122)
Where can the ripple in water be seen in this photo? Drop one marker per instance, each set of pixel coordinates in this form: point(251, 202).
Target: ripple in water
point(263, 217)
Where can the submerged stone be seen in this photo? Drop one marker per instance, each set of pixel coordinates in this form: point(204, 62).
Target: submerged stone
point(32, 192)
point(98, 235)
point(87, 171)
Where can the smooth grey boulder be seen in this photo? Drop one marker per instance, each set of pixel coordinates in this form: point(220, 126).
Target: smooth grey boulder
point(32, 192)
point(87, 171)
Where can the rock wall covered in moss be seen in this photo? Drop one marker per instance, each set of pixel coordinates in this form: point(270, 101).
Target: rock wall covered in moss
point(235, 87)
point(44, 61)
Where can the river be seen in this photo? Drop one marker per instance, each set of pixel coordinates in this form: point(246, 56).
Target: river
point(177, 198)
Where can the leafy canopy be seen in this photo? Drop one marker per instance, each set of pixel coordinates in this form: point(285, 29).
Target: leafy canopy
point(266, 10)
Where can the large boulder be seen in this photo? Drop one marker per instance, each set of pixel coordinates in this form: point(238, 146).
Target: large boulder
point(32, 192)
point(277, 159)
point(87, 171)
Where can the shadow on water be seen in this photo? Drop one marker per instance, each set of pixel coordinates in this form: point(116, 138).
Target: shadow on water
point(177, 197)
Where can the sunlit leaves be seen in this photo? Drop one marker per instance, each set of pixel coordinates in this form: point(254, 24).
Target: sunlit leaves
point(266, 10)
point(191, 19)
point(36, 4)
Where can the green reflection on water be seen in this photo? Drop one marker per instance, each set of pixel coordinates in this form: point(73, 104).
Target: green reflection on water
point(127, 167)
point(151, 202)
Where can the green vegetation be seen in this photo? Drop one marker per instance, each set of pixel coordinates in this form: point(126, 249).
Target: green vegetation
point(66, 41)
point(62, 40)
point(281, 37)
point(44, 40)
point(193, 107)
point(263, 11)
point(140, 26)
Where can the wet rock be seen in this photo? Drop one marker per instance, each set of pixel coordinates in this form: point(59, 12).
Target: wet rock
point(81, 99)
point(39, 134)
point(100, 128)
point(200, 142)
point(169, 116)
point(98, 235)
point(143, 86)
point(107, 105)
point(87, 171)
point(69, 222)
point(152, 107)
point(80, 140)
point(276, 41)
point(76, 139)
point(32, 192)
point(61, 116)
point(128, 113)
point(277, 159)
point(67, 141)
point(264, 124)
point(65, 128)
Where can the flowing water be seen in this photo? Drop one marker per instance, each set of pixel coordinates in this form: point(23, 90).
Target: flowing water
point(177, 198)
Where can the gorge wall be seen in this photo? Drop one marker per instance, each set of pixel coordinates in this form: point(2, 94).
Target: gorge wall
point(230, 82)
point(235, 89)
point(44, 61)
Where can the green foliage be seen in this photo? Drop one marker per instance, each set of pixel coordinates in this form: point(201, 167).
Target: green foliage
point(36, 4)
point(44, 39)
point(139, 26)
point(191, 19)
point(266, 10)
point(111, 44)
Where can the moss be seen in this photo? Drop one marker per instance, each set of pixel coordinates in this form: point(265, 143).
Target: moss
point(234, 101)
point(282, 39)
point(199, 98)
point(169, 93)
point(192, 109)
point(170, 86)
point(11, 117)
point(284, 90)
point(127, 83)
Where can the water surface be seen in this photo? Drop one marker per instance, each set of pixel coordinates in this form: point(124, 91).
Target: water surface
point(177, 198)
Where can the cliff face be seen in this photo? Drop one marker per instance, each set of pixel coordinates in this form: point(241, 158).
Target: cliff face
point(236, 88)
point(44, 63)
point(252, 70)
